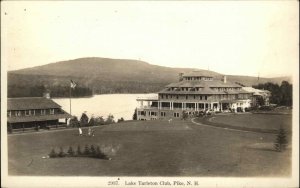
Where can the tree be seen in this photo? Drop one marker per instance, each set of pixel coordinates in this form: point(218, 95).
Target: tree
point(100, 154)
point(120, 120)
point(92, 121)
point(74, 122)
point(84, 119)
point(86, 150)
point(184, 115)
point(70, 151)
point(79, 150)
point(52, 154)
point(93, 150)
point(134, 117)
point(281, 141)
point(110, 119)
point(61, 153)
point(99, 120)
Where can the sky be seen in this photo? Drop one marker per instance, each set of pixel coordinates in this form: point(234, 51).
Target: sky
point(229, 37)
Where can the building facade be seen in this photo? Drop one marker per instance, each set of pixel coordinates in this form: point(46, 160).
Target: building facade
point(193, 93)
point(33, 112)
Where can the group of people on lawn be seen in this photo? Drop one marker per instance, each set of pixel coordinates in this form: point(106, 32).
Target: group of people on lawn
point(90, 132)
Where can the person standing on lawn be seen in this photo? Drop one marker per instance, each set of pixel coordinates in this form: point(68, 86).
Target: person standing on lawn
point(80, 131)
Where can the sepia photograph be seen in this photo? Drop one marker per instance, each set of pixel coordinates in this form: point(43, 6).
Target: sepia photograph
point(150, 93)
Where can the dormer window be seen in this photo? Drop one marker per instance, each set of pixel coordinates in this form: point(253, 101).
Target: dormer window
point(43, 112)
point(27, 112)
point(17, 113)
point(52, 111)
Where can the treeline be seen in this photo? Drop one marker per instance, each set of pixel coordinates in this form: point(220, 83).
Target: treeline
point(55, 91)
point(280, 94)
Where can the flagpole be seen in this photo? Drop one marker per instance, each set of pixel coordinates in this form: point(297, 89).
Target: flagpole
point(70, 101)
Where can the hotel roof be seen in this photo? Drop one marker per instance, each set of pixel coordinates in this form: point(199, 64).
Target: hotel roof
point(200, 74)
point(28, 103)
point(203, 83)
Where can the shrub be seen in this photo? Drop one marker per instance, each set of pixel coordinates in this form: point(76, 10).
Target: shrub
point(86, 150)
point(134, 116)
point(52, 154)
point(61, 153)
point(110, 119)
point(100, 154)
point(120, 120)
point(79, 150)
point(74, 122)
point(70, 151)
point(93, 151)
point(281, 141)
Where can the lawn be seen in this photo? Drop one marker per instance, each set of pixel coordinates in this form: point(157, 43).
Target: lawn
point(260, 121)
point(151, 148)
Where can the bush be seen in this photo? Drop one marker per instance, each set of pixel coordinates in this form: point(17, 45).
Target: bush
point(100, 154)
point(70, 151)
point(120, 120)
point(86, 150)
point(281, 141)
point(93, 151)
point(266, 108)
point(79, 150)
point(52, 154)
point(99, 121)
point(61, 153)
point(110, 119)
point(74, 122)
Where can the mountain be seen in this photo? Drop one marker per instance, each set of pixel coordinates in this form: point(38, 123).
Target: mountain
point(104, 75)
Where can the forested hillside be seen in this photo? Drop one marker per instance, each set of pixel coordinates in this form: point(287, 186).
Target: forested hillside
point(103, 75)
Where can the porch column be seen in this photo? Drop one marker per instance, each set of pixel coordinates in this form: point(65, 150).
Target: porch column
point(195, 107)
point(170, 106)
point(182, 106)
point(221, 107)
point(204, 105)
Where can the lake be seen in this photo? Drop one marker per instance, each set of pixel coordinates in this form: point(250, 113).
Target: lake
point(119, 105)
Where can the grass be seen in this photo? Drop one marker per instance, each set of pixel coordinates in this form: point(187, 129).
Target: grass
point(256, 121)
point(151, 148)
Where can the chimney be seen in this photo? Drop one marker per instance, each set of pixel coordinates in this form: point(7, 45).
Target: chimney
point(180, 76)
point(224, 79)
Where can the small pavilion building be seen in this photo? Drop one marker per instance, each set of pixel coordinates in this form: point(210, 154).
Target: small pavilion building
point(34, 112)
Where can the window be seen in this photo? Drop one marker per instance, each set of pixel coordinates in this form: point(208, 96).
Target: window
point(205, 97)
point(194, 96)
point(51, 111)
point(163, 114)
point(43, 112)
point(176, 96)
point(200, 97)
point(186, 97)
point(27, 112)
point(153, 114)
point(176, 114)
point(8, 113)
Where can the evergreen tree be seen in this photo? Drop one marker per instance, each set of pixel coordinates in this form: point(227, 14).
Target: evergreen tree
point(86, 150)
point(79, 150)
point(52, 154)
point(93, 150)
point(281, 141)
point(70, 151)
point(100, 154)
point(61, 153)
point(134, 117)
